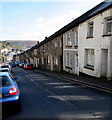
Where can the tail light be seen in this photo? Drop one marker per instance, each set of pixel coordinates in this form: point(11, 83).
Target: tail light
point(13, 91)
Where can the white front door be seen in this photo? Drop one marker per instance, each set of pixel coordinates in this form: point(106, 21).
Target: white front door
point(104, 65)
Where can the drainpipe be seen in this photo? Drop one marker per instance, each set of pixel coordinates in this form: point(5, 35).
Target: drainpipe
point(109, 75)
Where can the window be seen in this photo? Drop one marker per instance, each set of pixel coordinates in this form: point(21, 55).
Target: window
point(38, 61)
point(60, 44)
point(35, 51)
point(55, 61)
point(76, 38)
point(42, 61)
point(4, 81)
point(48, 60)
point(90, 58)
point(108, 26)
point(68, 60)
point(55, 44)
point(90, 29)
point(68, 39)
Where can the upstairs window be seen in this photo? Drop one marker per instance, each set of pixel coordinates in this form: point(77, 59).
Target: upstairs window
point(90, 30)
point(60, 44)
point(108, 26)
point(35, 51)
point(55, 45)
point(68, 39)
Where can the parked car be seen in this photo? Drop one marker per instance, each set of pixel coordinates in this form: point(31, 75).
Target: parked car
point(21, 65)
point(9, 92)
point(6, 66)
point(6, 70)
point(17, 63)
point(28, 66)
point(13, 65)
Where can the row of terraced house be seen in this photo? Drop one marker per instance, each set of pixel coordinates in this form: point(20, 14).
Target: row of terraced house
point(82, 46)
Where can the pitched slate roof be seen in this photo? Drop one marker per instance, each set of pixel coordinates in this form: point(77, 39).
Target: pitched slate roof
point(89, 14)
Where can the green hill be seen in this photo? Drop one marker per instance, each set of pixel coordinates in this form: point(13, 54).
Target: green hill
point(25, 44)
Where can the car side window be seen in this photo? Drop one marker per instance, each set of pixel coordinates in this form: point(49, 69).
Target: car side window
point(4, 81)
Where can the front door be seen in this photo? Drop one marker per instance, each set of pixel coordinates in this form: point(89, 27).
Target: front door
point(104, 59)
point(51, 63)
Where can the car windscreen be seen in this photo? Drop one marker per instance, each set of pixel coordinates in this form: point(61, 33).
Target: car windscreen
point(5, 66)
point(29, 65)
point(4, 81)
point(4, 70)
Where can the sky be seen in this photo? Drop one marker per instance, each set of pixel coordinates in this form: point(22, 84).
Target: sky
point(35, 20)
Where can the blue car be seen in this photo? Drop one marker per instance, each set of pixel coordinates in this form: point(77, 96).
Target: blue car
point(9, 92)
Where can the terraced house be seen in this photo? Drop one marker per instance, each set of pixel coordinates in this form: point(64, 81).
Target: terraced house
point(82, 46)
point(88, 44)
point(51, 53)
point(95, 42)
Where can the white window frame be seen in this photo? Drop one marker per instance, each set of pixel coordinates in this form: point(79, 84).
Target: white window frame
point(68, 60)
point(90, 29)
point(108, 23)
point(68, 39)
point(90, 58)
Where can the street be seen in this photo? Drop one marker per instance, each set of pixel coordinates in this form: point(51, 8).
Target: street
point(46, 97)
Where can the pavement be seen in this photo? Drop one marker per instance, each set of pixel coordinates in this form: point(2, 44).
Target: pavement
point(101, 84)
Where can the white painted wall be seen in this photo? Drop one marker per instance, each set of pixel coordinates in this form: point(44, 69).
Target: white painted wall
point(72, 51)
point(97, 42)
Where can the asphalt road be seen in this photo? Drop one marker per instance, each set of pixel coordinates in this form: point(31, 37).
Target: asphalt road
point(46, 97)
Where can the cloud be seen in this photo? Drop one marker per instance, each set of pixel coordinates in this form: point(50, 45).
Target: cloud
point(40, 19)
point(45, 27)
point(26, 36)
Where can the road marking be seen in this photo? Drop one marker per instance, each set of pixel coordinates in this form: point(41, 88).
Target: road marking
point(53, 94)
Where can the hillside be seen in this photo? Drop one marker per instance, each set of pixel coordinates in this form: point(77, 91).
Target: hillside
point(25, 44)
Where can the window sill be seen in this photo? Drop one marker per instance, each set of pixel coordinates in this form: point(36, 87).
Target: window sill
point(89, 67)
point(75, 45)
point(89, 37)
point(68, 45)
point(68, 67)
point(107, 35)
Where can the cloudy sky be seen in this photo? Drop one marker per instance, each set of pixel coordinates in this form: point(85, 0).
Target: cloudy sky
point(26, 20)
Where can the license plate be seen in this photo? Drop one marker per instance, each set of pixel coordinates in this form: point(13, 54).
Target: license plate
point(0, 95)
